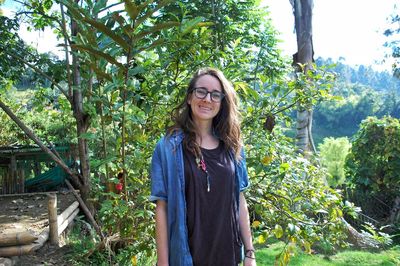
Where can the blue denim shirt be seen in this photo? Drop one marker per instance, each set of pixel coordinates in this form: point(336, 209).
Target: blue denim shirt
point(168, 184)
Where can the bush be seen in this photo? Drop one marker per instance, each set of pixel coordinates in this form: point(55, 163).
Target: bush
point(333, 154)
point(372, 170)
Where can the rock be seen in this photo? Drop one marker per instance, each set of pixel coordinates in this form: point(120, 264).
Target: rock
point(18, 201)
point(6, 262)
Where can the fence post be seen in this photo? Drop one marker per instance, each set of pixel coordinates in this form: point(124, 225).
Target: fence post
point(53, 225)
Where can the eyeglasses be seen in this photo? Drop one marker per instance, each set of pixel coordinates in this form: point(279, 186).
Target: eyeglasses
point(201, 93)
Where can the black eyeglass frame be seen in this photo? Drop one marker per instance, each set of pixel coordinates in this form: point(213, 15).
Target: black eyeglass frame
point(221, 94)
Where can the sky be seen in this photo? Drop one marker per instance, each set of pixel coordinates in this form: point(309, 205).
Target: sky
point(351, 29)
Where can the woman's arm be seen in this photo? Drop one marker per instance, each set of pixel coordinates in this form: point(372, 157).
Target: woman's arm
point(245, 231)
point(161, 233)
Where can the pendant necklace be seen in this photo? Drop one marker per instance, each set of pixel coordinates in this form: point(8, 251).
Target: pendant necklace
point(201, 164)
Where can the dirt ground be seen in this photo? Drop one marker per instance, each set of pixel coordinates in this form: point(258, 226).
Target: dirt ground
point(29, 213)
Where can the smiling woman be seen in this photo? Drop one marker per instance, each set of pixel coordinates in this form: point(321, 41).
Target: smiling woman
point(198, 177)
point(203, 107)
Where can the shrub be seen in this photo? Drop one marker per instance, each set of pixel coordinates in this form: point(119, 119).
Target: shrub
point(333, 154)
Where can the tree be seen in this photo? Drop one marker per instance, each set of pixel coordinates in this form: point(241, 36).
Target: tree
point(303, 61)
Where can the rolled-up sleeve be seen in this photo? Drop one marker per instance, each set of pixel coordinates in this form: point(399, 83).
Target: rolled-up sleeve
point(242, 171)
point(158, 179)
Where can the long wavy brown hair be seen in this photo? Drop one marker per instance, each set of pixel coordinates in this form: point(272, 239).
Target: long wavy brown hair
point(226, 124)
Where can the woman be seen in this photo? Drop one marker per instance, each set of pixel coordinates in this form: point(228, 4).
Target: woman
point(198, 176)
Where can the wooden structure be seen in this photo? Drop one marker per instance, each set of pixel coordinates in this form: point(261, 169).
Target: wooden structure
point(25, 242)
point(19, 163)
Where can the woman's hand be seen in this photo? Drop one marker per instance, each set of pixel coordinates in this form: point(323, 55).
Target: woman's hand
point(249, 261)
point(249, 258)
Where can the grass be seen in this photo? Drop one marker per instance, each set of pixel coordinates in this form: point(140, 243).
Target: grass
point(389, 257)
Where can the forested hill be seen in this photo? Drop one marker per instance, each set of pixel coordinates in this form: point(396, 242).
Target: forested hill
point(364, 75)
point(363, 91)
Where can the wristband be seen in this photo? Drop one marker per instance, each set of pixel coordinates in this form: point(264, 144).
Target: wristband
point(252, 251)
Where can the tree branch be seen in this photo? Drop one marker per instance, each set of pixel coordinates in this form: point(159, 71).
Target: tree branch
point(37, 70)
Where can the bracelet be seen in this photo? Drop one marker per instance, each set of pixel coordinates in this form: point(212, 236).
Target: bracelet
point(249, 256)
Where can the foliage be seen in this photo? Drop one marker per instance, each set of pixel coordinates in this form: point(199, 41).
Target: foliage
point(378, 235)
point(351, 104)
point(288, 197)
point(83, 241)
point(46, 114)
point(393, 43)
point(266, 256)
point(358, 92)
point(9, 69)
point(374, 160)
point(372, 168)
point(333, 153)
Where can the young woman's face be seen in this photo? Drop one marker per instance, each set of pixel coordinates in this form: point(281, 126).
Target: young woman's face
point(205, 109)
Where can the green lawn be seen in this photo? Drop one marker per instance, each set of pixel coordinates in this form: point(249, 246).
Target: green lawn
point(390, 257)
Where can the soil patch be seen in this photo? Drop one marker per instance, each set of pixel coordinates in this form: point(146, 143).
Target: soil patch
point(28, 212)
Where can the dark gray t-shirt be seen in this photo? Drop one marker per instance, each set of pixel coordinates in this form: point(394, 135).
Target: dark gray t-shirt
point(212, 217)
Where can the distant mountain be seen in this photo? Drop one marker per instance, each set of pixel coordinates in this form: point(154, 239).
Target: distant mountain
point(364, 75)
point(363, 91)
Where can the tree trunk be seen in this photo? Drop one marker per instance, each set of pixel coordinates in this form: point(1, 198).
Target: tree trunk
point(82, 125)
point(302, 10)
point(395, 211)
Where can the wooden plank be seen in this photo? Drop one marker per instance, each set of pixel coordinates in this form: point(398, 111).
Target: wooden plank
point(67, 212)
point(16, 238)
point(67, 221)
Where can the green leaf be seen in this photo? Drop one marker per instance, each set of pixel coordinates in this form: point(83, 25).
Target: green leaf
point(99, 4)
point(157, 27)
point(97, 163)
point(98, 54)
point(132, 9)
point(149, 13)
point(99, 72)
point(88, 135)
point(136, 70)
point(278, 231)
point(101, 27)
point(188, 26)
point(284, 167)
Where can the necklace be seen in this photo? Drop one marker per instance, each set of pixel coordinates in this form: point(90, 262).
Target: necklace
point(201, 164)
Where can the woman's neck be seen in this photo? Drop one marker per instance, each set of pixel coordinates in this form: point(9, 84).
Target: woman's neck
point(203, 129)
point(205, 137)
